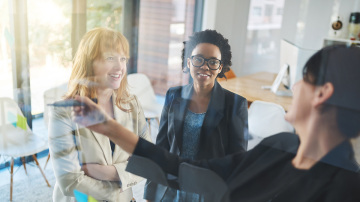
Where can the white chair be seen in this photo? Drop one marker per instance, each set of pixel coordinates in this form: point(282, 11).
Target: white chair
point(265, 119)
point(50, 96)
point(139, 85)
point(16, 138)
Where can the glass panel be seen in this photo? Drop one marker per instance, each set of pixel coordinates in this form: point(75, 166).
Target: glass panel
point(163, 26)
point(49, 47)
point(105, 13)
point(6, 43)
point(263, 36)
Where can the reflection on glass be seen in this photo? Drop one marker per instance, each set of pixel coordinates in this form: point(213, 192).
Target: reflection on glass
point(263, 36)
point(6, 44)
point(163, 26)
point(49, 47)
point(84, 160)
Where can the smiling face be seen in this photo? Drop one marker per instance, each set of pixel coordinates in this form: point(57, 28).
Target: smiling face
point(204, 76)
point(110, 69)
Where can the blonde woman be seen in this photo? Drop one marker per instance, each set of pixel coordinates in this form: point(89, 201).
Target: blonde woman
point(84, 160)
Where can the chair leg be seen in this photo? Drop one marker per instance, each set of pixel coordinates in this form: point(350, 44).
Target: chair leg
point(158, 120)
point(47, 160)
point(24, 164)
point(11, 177)
point(38, 165)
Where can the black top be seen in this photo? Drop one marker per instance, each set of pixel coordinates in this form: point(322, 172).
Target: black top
point(266, 174)
point(224, 130)
point(112, 145)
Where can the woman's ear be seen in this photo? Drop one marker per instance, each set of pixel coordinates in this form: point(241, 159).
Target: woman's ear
point(323, 93)
point(188, 63)
point(220, 68)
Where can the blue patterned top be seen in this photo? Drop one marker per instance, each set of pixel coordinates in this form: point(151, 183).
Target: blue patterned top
point(191, 134)
point(190, 145)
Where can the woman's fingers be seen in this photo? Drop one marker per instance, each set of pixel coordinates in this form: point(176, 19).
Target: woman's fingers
point(88, 115)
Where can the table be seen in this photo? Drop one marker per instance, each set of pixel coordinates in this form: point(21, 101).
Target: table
point(250, 88)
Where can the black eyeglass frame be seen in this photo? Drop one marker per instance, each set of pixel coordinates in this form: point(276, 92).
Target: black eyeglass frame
point(205, 60)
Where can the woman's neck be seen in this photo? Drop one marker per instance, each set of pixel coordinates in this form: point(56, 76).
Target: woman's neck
point(200, 98)
point(104, 100)
point(104, 94)
point(318, 139)
point(203, 90)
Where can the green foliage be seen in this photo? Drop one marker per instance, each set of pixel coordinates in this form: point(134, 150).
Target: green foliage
point(105, 13)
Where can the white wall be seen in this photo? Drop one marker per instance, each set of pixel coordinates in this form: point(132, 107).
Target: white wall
point(305, 22)
point(229, 17)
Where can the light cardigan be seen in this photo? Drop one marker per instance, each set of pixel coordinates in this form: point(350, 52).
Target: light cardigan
point(71, 146)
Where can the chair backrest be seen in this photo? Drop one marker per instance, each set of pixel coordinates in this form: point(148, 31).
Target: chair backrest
point(140, 85)
point(356, 146)
point(202, 181)
point(51, 95)
point(14, 129)
point(266, 118)
point(230, 74)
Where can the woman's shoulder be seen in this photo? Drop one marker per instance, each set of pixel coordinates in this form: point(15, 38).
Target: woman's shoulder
point(133, 102)
point(234, 96)
point(176, 89)
point(233, 100)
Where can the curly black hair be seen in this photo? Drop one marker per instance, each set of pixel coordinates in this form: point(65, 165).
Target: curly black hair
point(212, 37)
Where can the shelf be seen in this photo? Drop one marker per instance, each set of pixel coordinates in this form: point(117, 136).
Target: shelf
point(337, 41)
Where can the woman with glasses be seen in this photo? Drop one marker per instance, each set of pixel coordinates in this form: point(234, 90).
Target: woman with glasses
point(201, 120)
point(84, 160)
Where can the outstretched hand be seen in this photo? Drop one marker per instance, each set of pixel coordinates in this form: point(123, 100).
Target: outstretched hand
point(91, 115)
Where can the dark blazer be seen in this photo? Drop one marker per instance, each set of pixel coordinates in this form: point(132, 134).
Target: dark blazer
point(224, 130)
point(334, 178)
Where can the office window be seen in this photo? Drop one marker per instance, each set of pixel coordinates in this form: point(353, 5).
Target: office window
point(263, 37)
point(6, 44)
point(163, 26)
point(256, 11)
point(104, 14)
point(50, 39)
point(49, 47)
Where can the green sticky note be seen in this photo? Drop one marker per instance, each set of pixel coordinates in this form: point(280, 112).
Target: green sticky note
point(21, 122)
point(91, 199)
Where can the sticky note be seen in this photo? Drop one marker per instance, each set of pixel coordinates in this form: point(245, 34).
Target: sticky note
point(21, 122)
point(80, 197)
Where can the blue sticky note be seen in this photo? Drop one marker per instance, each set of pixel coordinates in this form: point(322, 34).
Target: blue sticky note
point(11, 118)
point(80, 197)
point(9, 37)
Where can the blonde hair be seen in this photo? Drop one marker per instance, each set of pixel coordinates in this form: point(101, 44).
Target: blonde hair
point(91, 47)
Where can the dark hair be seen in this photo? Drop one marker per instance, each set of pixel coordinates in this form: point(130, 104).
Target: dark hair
point(212, 37)
point(314, 73)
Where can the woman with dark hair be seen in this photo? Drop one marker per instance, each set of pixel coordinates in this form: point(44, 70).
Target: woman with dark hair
point(317, 164)
point(201, 120)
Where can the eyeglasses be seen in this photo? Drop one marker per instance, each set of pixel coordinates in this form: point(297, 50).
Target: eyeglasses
point(198, 61)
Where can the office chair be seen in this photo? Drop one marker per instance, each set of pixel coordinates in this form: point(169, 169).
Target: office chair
point(51, 95)
point(139, 85)
point(16, 138)
point(265, 119)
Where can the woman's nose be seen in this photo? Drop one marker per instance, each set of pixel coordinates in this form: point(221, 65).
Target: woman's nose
point(205, 66)
point(119, 64)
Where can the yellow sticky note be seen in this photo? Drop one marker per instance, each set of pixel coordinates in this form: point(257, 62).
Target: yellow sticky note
point(21, 122)
point(91, 199)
